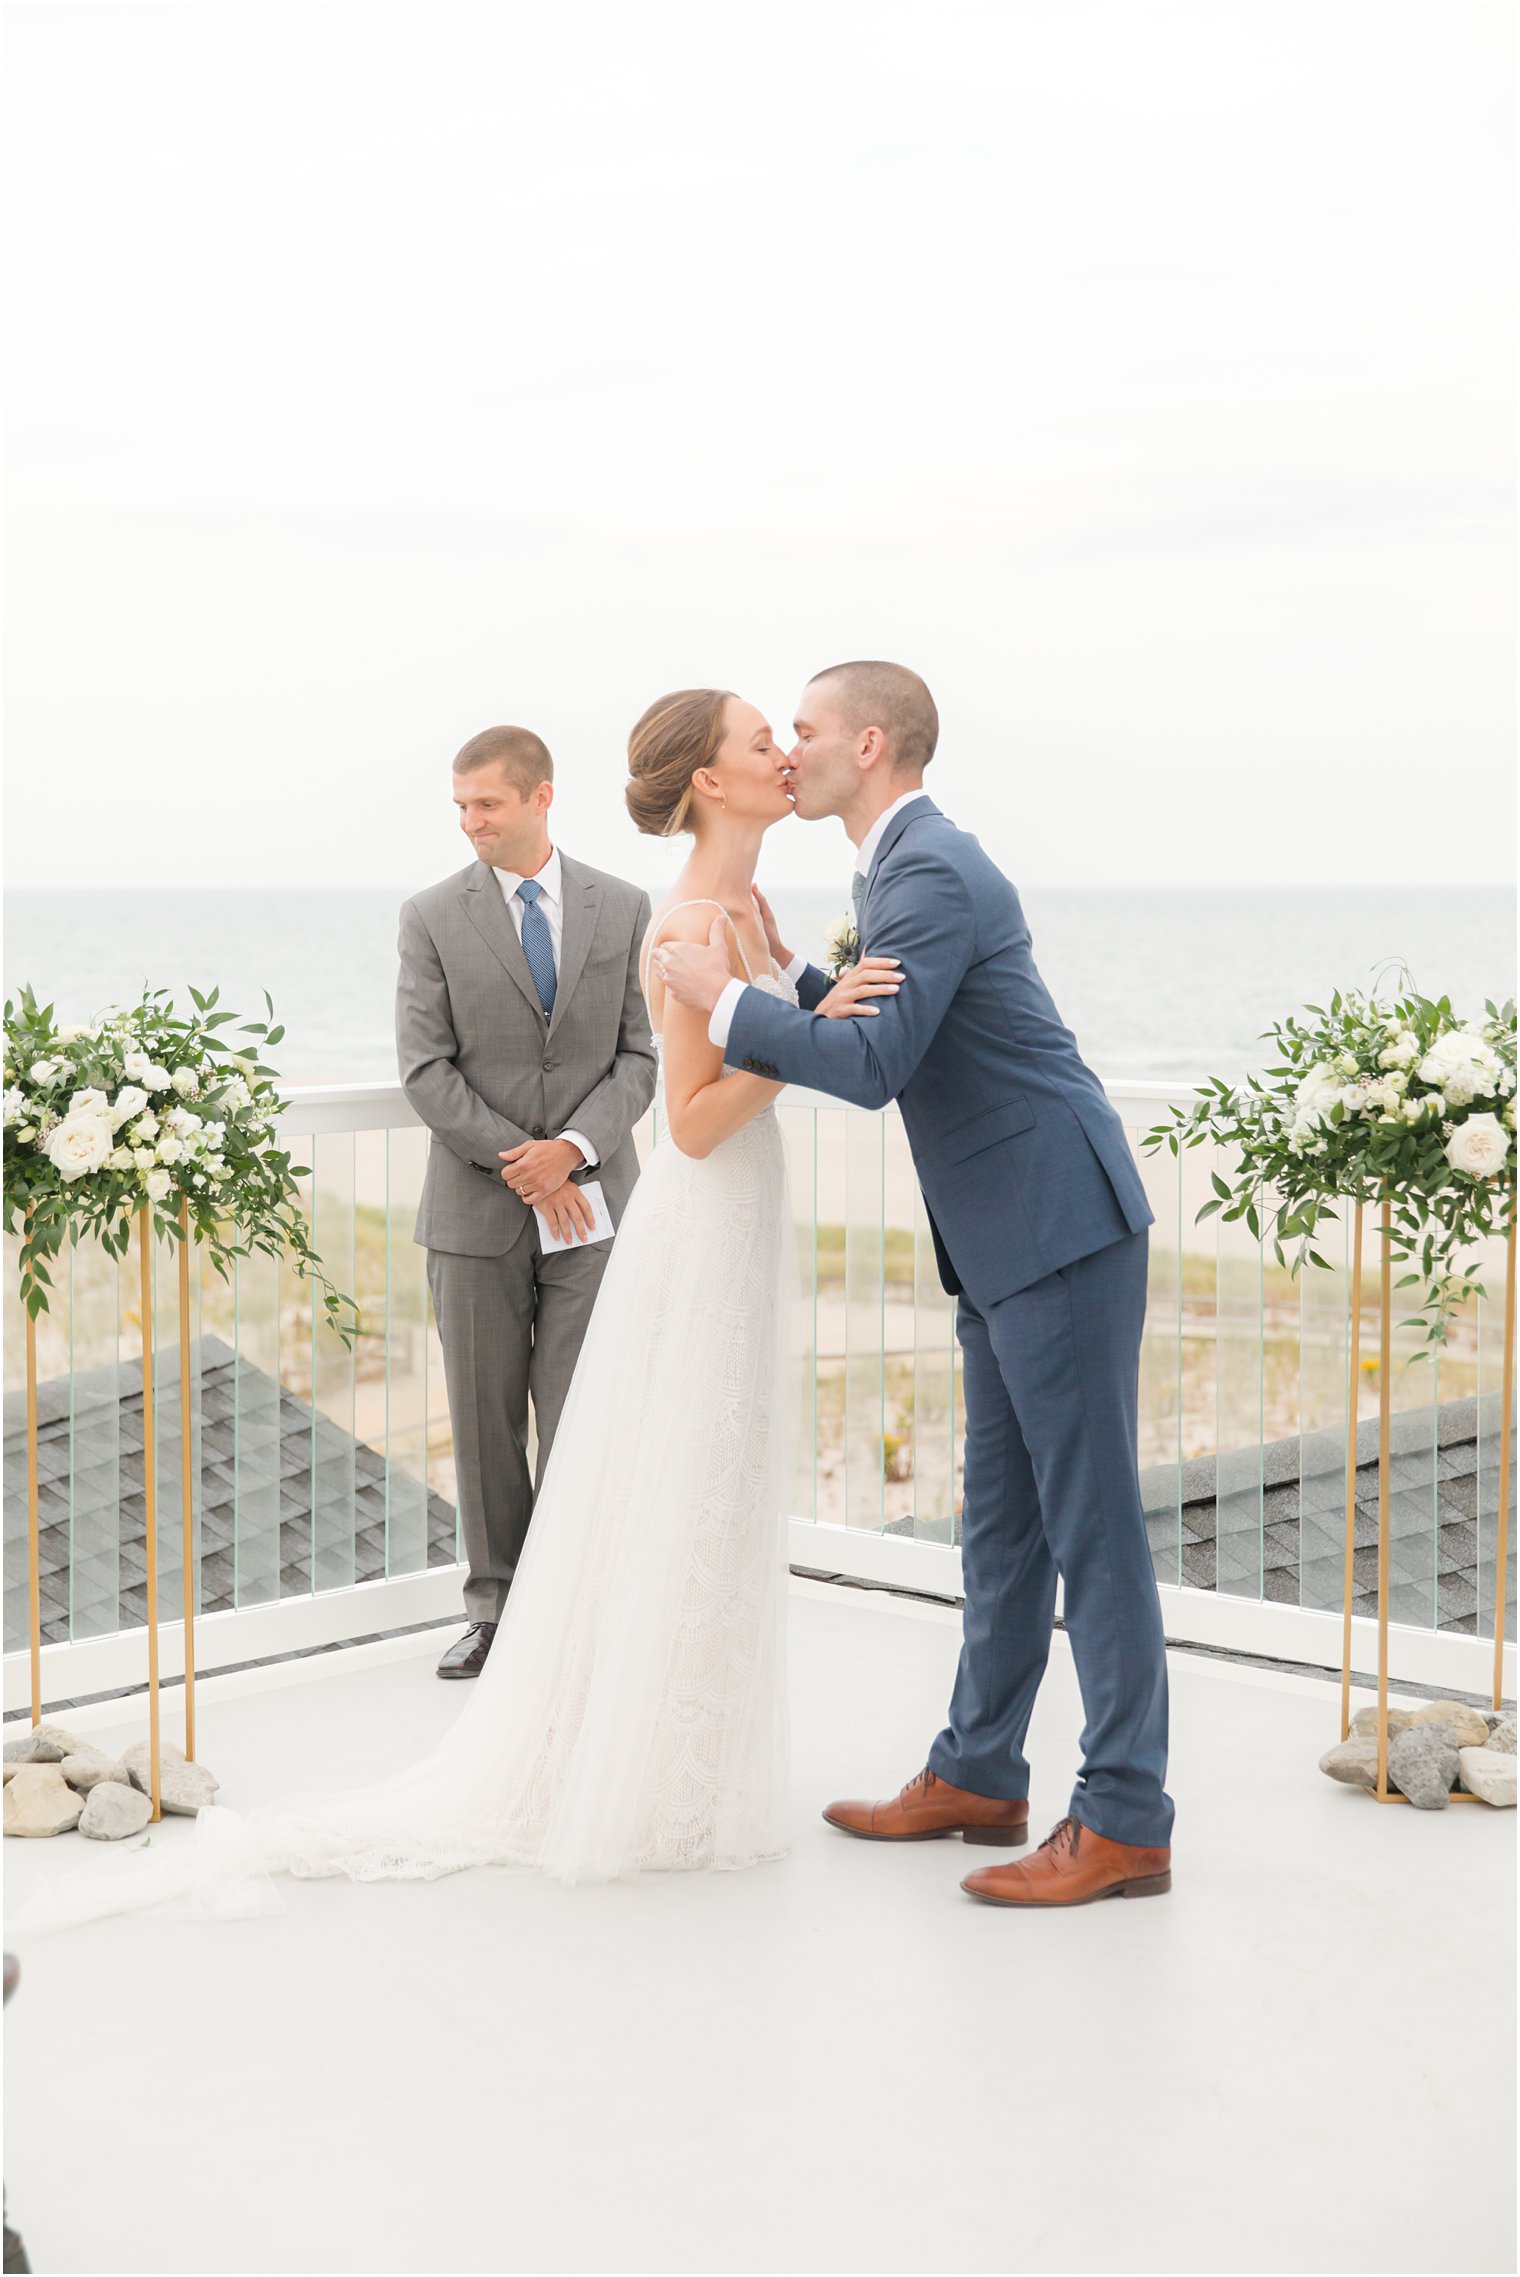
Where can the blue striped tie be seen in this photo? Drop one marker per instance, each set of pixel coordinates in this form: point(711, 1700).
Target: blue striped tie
point(537, 946)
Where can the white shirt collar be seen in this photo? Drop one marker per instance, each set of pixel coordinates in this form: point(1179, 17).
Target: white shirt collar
point(547, 879)
point(873, 837)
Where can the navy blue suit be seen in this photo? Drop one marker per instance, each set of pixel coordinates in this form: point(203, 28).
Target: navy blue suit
point(1039, 1221)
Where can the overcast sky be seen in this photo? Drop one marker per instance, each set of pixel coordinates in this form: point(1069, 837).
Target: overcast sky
point(1143, 374)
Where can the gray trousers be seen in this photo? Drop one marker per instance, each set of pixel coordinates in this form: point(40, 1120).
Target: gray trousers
point(511, 1329)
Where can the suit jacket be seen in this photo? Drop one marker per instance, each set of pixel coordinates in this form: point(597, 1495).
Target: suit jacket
point(1023, 1163)
point(486, 1070)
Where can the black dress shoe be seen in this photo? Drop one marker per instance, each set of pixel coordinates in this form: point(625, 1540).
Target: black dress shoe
point(467, 1655)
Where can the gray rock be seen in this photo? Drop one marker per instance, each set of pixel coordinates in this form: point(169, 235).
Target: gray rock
point(1492, 1716)
point(1423, 1764)
point(1364, 1723)
point(1353, 1762)
point(112, 1812)
point(1489, 1773)
point(185, 1788)
point(87, 1769)
point(10, 1772)
point(1502, 1738)
point(1466, 1726)
point(40, 1801)
point(135, 1761)
point(44, 1743)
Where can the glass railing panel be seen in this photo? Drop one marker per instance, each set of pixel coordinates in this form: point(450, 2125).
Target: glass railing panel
point(1413, 1510)
point(96, 1307)
point(1239, 1404)
point(16, 1519)
point(1481, 1489)
point(1323, 1358)
point(255, 1552)
point(167, 1420)
point(402, 1319)
point(829, 1315)
point(334, 1470)
point(1160, 1410)
point(864, 1231)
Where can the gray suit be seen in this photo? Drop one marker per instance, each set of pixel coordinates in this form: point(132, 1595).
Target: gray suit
point(486, 1071)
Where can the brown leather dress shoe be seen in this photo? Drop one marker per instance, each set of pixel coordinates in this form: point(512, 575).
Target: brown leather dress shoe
point(467, 1655)
point(928, 1808)
point(1073, 1866)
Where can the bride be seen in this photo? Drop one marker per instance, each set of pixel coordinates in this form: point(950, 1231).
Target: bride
point(631, 1716)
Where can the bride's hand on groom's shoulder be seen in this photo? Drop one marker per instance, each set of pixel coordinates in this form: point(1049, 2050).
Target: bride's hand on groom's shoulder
point(848, 998)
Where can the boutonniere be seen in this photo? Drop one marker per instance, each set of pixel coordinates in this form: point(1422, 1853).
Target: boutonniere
point(842, 947)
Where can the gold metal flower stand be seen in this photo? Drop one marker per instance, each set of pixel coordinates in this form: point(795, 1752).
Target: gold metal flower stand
point(1383, 1793)
point(150, 1496)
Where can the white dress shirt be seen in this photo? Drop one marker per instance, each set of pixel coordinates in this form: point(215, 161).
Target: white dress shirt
point(723, 1011)
point(551, 900)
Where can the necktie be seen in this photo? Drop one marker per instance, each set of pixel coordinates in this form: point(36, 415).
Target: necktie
point(857, 894)
point(537, 946)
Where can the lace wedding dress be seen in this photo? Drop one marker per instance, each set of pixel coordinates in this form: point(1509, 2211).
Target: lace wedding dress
point(632, 1716)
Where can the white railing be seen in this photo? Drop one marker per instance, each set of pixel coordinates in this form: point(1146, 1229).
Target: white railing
point(326, 1482)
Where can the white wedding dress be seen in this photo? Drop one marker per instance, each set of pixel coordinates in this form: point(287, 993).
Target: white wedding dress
point(632, 1715)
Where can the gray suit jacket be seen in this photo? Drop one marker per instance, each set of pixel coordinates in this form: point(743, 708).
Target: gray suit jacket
point(485, 1070)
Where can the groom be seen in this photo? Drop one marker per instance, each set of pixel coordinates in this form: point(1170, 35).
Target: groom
point(524, 1045)
point(1039, 1222)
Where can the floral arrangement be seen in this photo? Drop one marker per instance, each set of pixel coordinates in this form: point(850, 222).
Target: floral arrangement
point(1371, 1102)
point(842, 946)
point(144, 1110)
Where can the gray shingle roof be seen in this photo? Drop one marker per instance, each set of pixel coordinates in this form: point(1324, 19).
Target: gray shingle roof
point(316, 1461)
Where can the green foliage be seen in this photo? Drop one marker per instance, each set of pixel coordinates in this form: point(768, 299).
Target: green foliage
point(143, 1116)
point(1398, 1102)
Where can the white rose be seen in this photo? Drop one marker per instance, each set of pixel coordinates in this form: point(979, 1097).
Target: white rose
point(198, 1179)
point(1460, 1086)
point(155, 1077)
point(145, 1128)
point(129, 1102)
point(1402, 1051)
point(186, 1082)
point(1414, 1110)
point(15, 1106)
point(135, 1065)
point(143, 1157)
point(80, 1143)
point(89, 1103)
point(1317, 1092)
point(44, 1071)
point(1478, 1146)
point(120, 1158)
point(170, 1149)
point(156, 1185)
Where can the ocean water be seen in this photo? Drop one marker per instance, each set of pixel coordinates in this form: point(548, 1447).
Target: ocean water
point(1157, 982)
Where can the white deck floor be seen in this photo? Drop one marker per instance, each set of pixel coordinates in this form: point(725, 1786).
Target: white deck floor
point(1302, 2060)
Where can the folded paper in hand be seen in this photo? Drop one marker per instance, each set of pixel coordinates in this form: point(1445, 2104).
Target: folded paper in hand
point(601, 1229)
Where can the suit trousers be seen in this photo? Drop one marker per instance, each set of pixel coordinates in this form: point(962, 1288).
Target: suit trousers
point(511, 1329)
point(1051, 1487)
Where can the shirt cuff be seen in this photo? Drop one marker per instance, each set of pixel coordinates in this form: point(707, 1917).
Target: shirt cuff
point(585, 1145)
point(723, 1014)
point(796, 968)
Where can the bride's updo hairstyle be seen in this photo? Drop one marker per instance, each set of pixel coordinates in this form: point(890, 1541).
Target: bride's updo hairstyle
point(677, 735)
